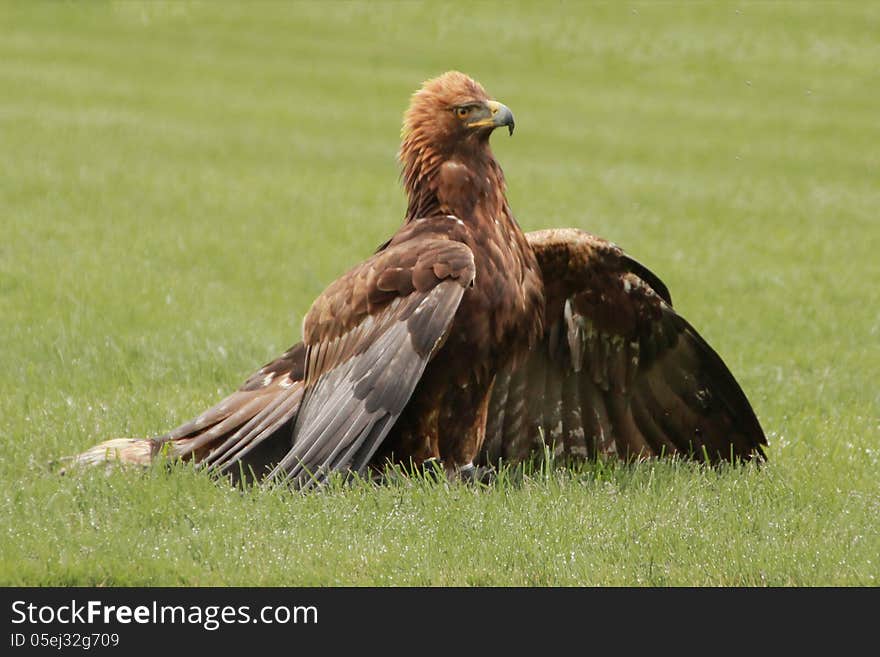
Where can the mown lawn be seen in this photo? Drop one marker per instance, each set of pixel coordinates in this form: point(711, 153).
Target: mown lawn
point(179, 181)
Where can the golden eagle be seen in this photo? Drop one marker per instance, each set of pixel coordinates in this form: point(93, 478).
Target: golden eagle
point(465, 340)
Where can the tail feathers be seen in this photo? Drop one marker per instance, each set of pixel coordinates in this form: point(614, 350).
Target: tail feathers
point(249, 431)
point(135, 451)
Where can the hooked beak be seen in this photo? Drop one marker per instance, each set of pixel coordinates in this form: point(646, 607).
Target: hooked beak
point(499, 115)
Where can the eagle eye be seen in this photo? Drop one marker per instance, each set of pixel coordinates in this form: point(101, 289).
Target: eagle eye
point(462, 112)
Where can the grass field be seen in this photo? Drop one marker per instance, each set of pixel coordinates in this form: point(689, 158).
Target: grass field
point(179, 181)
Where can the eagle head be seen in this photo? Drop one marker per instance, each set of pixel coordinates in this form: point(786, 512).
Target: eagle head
point(449, 120)
point(450, 109)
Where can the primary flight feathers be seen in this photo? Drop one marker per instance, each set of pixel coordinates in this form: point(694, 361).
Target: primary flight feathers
point(465, 340)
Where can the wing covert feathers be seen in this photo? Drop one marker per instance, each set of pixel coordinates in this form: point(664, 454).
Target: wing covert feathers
point(369, 337)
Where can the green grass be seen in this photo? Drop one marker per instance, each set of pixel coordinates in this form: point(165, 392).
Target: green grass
point(179, 181)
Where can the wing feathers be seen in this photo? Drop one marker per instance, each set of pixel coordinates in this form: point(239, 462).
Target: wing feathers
point(349, 406)
point(573, 433)
point(630, 377)
point(246, 442)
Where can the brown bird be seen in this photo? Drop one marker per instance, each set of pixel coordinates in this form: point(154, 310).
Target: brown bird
point(465, 340)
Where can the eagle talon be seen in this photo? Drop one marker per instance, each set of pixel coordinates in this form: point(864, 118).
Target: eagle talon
point(472, 474)
point(431, 468)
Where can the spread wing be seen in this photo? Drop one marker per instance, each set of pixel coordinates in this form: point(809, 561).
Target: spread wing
point(618, 370)
point(368, 339)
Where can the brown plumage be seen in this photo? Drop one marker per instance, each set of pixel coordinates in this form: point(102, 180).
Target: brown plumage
point(465, 340)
